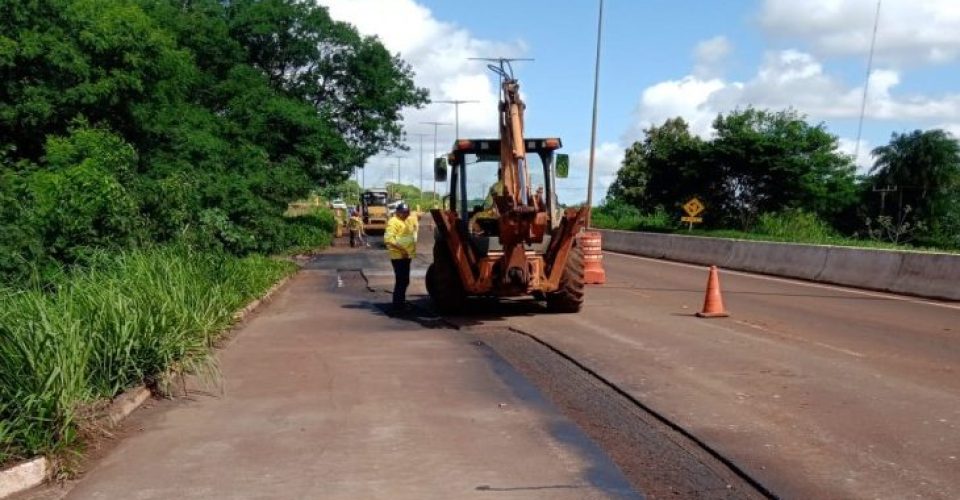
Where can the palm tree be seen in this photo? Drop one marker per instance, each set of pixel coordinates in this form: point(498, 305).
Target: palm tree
point(923, 165)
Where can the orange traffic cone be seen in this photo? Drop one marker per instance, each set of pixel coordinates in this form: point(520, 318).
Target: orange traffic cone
point(713, 303)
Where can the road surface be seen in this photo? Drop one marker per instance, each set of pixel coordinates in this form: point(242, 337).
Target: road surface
point(815, 391)
point(324, 396)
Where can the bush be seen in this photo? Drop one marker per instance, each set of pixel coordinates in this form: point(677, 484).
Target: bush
point(795, 225)
point(619, 215)
point(127, 318)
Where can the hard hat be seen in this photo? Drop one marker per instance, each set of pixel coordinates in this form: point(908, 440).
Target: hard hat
point(403, 208)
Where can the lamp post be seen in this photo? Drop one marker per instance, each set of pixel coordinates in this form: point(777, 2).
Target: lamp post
point(436, 126)
point(456, 105)
point(421, 136)
point(398, 172)
point(593, 127)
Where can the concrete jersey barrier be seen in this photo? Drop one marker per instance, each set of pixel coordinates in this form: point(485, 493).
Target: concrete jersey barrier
point(934, 275)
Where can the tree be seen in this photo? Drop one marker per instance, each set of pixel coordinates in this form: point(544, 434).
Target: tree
point(219, 114)
point(665, 169)
point(351, 80)
point(760, 161)
point(772, 161)
point(924, 166)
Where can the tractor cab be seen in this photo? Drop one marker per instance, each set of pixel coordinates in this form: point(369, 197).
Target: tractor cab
point(475, 181)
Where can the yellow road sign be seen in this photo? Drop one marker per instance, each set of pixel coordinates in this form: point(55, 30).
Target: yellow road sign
point(691, 219)
point(694, 207)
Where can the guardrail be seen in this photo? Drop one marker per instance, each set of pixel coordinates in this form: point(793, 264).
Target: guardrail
point(934, 275)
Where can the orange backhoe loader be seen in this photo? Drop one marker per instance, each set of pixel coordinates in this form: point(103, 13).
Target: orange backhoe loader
point(509, 239)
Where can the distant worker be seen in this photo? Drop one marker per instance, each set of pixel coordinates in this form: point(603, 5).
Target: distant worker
point(401, 241)
point(355, 224)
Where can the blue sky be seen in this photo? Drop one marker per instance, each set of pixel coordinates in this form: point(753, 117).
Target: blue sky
point(668, 58)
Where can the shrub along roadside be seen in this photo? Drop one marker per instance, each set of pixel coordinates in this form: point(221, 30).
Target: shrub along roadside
point(124, 319)
point(788, 226)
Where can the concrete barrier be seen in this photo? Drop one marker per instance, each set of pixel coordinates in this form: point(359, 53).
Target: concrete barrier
point(934, 275)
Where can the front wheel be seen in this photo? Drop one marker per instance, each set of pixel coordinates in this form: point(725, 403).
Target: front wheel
point(569, 297)
point(443, 281)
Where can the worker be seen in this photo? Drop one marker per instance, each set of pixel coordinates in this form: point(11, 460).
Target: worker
point(355, 224)
point(489, 206)
point(401, 241)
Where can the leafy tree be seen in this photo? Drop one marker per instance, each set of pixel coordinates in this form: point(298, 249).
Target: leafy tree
point(758, 162)
point(351, 80)
point(125, 121)
point(771, 161)
point(664, 169)
point(924, 166)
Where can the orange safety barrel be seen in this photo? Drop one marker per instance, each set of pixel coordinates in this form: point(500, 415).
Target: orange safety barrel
point(593, 273)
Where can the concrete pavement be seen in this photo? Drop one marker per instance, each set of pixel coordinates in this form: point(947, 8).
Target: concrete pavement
point(816, 391)
point(326, 397)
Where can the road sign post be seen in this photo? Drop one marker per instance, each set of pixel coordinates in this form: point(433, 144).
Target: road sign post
point(693, 207)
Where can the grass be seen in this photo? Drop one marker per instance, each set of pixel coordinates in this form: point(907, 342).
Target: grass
point(787, 227)
point(122, 321)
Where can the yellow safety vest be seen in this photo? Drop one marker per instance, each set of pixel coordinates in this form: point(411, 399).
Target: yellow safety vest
point(356, 223)
point(401, 234)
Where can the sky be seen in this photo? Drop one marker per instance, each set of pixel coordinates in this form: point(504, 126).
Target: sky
point(666, 58)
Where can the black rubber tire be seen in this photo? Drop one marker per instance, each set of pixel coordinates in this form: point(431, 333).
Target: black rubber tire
point(569, 297)
point(443, 281)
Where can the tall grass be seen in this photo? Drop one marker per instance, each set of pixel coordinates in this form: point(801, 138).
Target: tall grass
point(123, 320)
point(628, 218)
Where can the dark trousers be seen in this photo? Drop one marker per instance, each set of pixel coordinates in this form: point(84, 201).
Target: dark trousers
point(401, 273)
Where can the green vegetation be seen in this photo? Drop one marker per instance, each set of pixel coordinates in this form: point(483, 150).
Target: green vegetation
point(792, 226)
point(412, 196)
point(148, 153)
point(128, 317)
point(126, 122)
point(772, 176)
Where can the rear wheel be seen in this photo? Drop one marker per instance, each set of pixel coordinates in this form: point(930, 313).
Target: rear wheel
point(443, 281)
point(569, 297)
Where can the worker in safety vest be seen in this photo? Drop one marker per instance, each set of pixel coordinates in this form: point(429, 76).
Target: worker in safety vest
point(401, 241)
point(355, 225)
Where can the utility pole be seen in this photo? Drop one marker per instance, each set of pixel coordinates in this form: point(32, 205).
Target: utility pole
point(866, 84)
point(436, 126)
point(398, 173)
point(593, 127)
point(421, 136)
point(883, 196)
point(456, 104)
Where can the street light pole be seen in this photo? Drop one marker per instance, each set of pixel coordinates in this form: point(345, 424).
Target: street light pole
point(398, 172)
point(436, 125)
point(593, 128)
point(421, 160)
point(456, 104)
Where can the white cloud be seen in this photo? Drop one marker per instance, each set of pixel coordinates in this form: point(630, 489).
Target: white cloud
point(606, 164)
point(687, 97)
point(438, 52)
point(951, 128)
point(864, 158)
point(787, 79)
point(910, 31)
point(710, 55)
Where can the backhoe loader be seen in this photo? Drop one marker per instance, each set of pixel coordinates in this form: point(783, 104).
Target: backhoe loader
point(510, 239)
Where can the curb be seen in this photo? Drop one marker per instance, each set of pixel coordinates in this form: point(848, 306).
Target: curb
point(24, 476)
point(32, 473)
point(249, 308)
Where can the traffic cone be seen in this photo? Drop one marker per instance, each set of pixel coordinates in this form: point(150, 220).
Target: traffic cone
point(713, 303)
